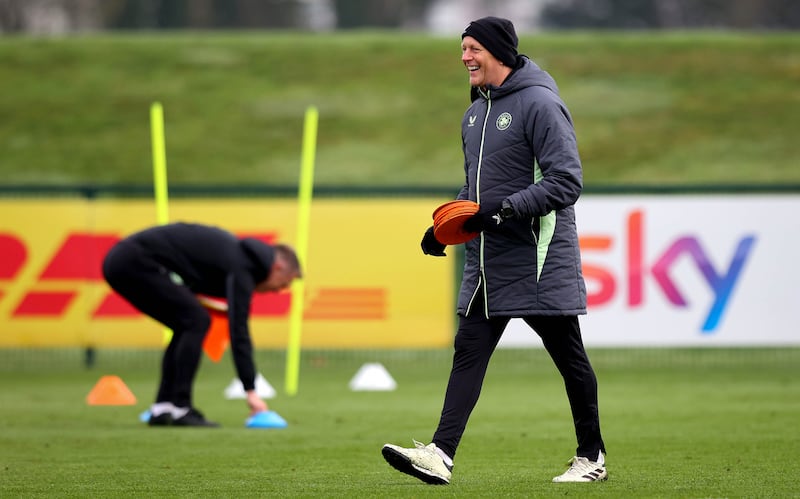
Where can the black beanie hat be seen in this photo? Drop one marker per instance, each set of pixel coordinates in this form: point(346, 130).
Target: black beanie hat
point(497, 35)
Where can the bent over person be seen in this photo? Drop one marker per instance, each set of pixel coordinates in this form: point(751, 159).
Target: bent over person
point(161, 270)
point(522, 167)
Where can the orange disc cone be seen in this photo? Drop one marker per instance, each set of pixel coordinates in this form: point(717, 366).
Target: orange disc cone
point(217, 337)
point(110, 390)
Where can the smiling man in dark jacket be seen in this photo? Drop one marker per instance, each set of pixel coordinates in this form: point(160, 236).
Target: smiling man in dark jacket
point(522, 167)
point(161, 270)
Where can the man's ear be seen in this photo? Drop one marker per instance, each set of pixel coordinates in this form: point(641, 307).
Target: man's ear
point(278, 264)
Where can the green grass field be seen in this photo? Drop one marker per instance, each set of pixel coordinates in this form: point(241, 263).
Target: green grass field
point(677, 423)
point(655, 109)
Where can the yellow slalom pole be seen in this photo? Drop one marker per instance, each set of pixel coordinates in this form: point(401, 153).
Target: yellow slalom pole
point(303, 221)
point(159, 162)
point(160, 174)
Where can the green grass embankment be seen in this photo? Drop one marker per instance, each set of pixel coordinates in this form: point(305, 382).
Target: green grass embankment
point(649, 108)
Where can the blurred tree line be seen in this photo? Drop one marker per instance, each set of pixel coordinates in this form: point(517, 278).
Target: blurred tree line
point(658, 14)
point(63, 16)
point(77, 15)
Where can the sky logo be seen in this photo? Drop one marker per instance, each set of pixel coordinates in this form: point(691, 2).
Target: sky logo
point(721, 282)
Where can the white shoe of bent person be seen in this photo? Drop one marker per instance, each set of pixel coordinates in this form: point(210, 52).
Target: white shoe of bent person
point(583, 470)
point(422, 461)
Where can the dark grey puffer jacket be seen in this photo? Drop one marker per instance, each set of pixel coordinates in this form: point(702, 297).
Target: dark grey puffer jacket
point(519, 144)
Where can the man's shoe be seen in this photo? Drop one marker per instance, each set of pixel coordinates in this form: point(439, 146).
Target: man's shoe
point(164, 419)
point(583, 470)
point(422, 462)
point(194, 418)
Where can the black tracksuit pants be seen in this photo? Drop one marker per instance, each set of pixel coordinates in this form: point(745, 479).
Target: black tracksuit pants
point(475, 342)
point(133, 273)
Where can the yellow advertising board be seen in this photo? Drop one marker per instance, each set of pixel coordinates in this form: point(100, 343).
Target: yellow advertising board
point(367, 284)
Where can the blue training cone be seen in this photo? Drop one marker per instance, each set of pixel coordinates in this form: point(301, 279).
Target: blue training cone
point(265, 419)
point(145, 416)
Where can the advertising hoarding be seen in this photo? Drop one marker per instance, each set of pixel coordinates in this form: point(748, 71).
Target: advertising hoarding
point(367, 283)
point(681, 270)
point(678, 270)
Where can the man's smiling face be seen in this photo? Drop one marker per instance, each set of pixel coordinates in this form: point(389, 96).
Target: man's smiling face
point(484, 68)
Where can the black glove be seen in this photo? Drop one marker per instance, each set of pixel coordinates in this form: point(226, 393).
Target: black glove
point(430, 245)
point(489, 219)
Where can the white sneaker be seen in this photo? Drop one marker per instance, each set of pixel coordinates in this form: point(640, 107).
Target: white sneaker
point(583, 470)
point(423, 462)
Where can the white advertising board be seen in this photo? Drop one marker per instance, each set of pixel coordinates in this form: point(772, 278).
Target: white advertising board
point(687, 270)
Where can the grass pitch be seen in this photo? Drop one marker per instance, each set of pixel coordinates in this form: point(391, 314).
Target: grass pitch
point(677, 423)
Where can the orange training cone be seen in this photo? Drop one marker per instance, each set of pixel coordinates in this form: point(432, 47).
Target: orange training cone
point(110, 390)
point(217, 337)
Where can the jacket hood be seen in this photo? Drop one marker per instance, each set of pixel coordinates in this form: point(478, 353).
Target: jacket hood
point(525, 74)
point(261, 256)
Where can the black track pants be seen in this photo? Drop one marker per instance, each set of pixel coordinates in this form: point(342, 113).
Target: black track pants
point(475, 342)
point(135, 275)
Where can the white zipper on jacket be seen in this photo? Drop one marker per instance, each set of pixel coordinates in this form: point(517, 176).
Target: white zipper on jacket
point(474, 294)
point(478, 198)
